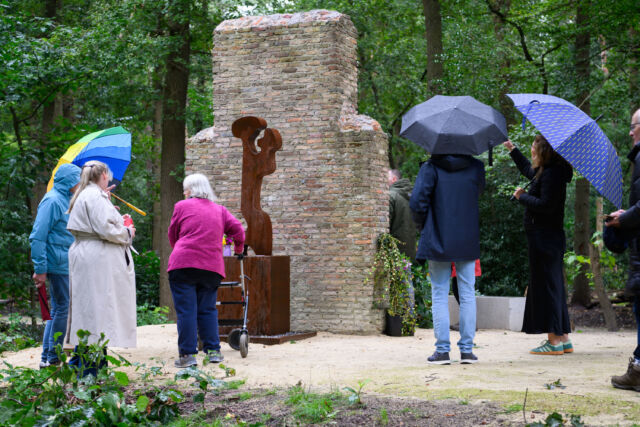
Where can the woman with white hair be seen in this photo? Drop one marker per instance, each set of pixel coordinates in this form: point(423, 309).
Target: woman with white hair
point(196, 267)
point(102, 287)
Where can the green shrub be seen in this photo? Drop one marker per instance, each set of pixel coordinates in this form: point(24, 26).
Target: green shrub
point(16, 335)
point(147, 266)
point(148, 315)
point(422, 287)
point(57, 396)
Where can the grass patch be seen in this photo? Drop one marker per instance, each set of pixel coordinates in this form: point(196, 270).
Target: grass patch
point(245, 395)
point(312, 407)
point(510, 409)
point(545, 401)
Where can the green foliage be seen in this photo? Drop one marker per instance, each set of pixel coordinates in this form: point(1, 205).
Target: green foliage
point(148, 315)
point(311, 407)
point(355, 396)
point(555, 420)
point(384, 417)
point(555, 384)
point(15, 335)
point(59, 396)
point(422, 288)
point(147, 265)
point(391, 278)
point(204, 381)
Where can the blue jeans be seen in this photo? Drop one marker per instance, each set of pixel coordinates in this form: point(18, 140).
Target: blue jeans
point(59, 291)
point(440, 273)
point(197, 315)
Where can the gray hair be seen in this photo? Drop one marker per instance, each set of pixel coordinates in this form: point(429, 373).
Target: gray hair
point(396, 173)
point(199, 187)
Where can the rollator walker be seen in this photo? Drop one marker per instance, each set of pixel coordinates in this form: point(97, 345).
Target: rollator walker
point(238, 338)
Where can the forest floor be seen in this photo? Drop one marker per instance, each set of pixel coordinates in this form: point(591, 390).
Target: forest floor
point(401, 388)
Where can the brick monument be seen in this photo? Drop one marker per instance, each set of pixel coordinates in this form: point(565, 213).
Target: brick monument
point(328, 198)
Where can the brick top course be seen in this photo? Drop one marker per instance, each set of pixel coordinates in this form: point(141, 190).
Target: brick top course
point(314, 17)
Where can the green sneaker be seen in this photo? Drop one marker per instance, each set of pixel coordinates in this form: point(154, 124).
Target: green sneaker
point(546, 348)
point(567, 347)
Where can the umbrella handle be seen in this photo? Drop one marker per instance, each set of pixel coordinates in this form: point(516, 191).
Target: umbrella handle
point(141, 212)
point(512, 198)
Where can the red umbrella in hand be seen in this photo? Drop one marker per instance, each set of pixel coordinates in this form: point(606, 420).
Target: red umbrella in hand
point(44, 304)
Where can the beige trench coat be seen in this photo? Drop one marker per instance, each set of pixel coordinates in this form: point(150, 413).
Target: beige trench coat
point(102, 285)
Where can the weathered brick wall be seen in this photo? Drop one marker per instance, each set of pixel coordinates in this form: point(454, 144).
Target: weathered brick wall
point(328, 199)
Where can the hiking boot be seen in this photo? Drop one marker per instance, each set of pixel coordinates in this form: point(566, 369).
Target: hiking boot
point(546, 348)
point(186, 361)
point(630, 380)
point(439, 358)
point(468, 358)
point(214, 356)
point(567, 347)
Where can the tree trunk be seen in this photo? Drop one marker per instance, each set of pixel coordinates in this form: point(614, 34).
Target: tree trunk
point(157, 233)
point(499, 30)
point(581, 292)
point(433, 25)
point(598, 283)
point(582, 230)
point(50, 112)
point(173, 131)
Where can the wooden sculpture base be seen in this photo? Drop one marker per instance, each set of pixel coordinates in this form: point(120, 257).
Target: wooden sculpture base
point(268, 288)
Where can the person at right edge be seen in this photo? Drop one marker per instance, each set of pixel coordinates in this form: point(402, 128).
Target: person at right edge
point(444, 205)
point(629, 221)
point(545, 309)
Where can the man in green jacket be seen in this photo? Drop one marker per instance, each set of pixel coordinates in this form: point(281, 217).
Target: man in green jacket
point(401, 225)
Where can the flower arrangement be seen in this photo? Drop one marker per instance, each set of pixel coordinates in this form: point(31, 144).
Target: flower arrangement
point(392, 277)
point(227, 245)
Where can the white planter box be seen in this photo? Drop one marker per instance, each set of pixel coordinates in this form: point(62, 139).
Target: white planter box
point(493, 312)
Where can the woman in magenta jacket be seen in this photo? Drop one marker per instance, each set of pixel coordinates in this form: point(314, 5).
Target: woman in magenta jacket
point(196, 267)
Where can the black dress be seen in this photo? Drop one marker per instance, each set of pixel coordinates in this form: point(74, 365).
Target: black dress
point(546, 304)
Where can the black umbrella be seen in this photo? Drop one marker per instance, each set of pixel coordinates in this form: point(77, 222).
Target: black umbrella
point(454, 125)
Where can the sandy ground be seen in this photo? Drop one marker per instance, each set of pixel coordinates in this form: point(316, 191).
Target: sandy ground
point(397, 366)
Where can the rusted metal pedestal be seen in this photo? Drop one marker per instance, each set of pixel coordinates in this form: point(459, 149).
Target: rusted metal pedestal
point(268, 312)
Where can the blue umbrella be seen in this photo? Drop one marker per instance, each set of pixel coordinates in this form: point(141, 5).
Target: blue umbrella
point(576, 137)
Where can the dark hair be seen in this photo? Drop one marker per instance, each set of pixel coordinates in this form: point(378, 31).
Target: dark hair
point(545, 154)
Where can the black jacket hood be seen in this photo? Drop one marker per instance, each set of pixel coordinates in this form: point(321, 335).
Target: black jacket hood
point(452, 162)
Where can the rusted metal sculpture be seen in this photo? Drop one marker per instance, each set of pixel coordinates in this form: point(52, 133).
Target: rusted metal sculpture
point(255, 165)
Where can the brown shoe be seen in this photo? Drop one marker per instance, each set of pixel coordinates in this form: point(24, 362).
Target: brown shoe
point(630, 380)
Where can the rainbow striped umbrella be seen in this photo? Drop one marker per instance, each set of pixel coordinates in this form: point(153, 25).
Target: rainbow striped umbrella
point(111, 146)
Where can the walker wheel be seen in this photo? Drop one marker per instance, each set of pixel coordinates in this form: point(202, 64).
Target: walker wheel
point(244, 344)
point(234, 338)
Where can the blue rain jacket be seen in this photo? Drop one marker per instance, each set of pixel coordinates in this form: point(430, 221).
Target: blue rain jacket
point(444, 206)
point(49, 237)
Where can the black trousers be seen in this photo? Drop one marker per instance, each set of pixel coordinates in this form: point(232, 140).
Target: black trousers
point(546, 304)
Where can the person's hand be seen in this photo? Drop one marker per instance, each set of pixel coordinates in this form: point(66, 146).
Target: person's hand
point(132, 230)
point(40, 279)
point(519, 192)
point(509, 145)
point(108, 191)
point(613, 219)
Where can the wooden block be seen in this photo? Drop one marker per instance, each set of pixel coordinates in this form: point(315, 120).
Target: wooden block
point(268, 290)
